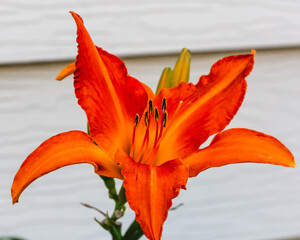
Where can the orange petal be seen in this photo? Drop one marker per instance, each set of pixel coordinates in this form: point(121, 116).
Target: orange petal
point(62, 150)
point(239, 145)
point(206, 108)
point(68, 70)
point(107, 94)
point(150, 190)
point(133, 95)
point(174, 95)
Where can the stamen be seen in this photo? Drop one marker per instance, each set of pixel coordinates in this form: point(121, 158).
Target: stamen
point(164, 105)
point(161, 136)
point(144, 146)
point(146, 119)
point(145, 140)
point(145, 154)
point(157, 138)
point(163, 124)
point(164, 120)
point(150, 107)
point(156, 115)
point(136, 121)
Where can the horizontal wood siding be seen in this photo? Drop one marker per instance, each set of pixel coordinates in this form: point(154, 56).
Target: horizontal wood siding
point(44, 31)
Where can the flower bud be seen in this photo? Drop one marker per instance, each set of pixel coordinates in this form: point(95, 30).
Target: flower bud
point(181, 70)
point(165, 80)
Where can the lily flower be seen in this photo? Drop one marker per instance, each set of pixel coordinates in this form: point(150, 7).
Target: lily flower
point(151, 141)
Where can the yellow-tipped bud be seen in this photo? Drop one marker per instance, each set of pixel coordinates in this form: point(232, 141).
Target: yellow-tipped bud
point(165, 80)
point(181, 70)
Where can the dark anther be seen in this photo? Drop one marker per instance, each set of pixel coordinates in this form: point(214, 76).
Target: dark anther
point(150, 107)
point(164, 105)
point(136, 120)
point(156, 115)
point(165, 119)
point(146, 118)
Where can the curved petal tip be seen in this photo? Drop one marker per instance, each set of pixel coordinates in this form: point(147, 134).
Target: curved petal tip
point(238, 145)
point(76, 16)
point(64, 149)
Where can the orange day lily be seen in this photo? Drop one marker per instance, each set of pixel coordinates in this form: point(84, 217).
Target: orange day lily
point(152, 141)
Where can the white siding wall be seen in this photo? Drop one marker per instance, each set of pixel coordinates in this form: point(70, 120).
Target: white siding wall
point(247, 201)
point(36, 30)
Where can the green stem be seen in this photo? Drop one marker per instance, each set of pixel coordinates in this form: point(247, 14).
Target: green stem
point(120, 200)
point(111, 187)
point(111, 224)
point(116, 233)
point(122, 195)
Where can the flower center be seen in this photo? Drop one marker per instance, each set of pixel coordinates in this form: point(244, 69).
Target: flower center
point(147, 152)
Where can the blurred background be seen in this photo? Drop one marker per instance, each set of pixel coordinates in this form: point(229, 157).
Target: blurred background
point(248, 201)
